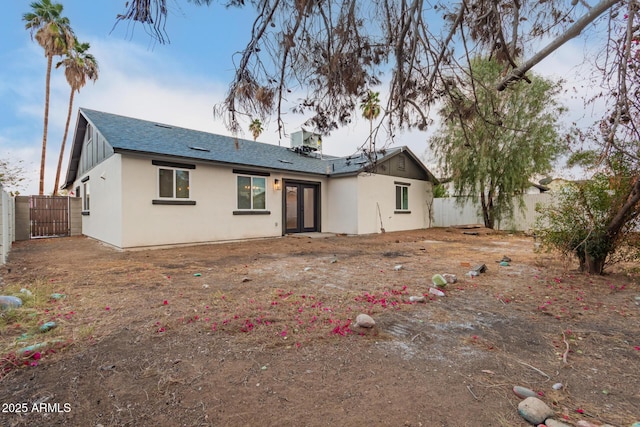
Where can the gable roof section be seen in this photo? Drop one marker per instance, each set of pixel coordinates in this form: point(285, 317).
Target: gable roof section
point(135, 136)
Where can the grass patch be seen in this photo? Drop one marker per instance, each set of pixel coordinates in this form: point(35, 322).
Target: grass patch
point(20, 327)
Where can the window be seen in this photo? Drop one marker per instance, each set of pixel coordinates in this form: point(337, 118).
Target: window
point(85, 196)
point(173, 183)
point(402, 198)
point(252, 193)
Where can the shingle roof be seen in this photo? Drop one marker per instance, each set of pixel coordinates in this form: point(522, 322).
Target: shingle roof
point(126, 134)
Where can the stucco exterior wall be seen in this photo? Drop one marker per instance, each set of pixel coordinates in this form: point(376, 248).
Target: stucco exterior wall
point(123, 213)
point(342, 205)
point(103, 221)
point(212, 218)
point(379, 191)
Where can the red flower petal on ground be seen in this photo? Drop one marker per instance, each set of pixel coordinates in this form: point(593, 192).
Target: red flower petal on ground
point(165, 302)
point(637, 347)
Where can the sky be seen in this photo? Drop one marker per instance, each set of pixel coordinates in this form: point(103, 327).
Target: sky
point(176, 83)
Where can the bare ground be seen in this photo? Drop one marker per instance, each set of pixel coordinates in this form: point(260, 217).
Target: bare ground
point(261, 333)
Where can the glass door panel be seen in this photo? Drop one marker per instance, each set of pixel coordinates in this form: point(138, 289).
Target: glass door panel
point(309, 208)
point(291, 208)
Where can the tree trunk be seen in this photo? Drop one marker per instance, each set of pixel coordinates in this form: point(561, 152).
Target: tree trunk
point(625, 212)
point(593, 265)
point(64, 140)
point(487, 206)
point(43, 155)
point(487, 210)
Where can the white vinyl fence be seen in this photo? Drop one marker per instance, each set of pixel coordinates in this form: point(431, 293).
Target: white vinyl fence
point(447, 212)
point(7, 229)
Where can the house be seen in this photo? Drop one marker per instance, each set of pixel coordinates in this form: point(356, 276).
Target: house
point(147, 184)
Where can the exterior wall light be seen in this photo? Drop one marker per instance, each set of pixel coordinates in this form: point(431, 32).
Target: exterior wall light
point(276, 184)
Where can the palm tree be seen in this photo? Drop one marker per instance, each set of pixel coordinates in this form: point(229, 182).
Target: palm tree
point(256, 128)
point(371, 110)
point(53, 32)
point(79, 65)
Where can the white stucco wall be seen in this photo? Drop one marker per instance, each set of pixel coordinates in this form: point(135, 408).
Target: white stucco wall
point(342, 205)
point(213, 188)
point(123, 214)
point(104, 218)
point(379, 190)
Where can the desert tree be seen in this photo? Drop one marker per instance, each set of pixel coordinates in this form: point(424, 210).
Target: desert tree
point(593, 219)
point(490, 143)
point(53, 33)
point(79, 66)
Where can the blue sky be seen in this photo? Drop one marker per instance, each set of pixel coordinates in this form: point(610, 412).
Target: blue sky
point(178, 83)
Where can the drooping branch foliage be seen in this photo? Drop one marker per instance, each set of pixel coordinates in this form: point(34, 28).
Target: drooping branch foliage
point(334, 51)
point(490, 143)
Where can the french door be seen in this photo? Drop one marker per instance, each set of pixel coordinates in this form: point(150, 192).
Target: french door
point(301, 207)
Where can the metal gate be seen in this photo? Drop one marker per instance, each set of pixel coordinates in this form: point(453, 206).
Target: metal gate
point(49, 216)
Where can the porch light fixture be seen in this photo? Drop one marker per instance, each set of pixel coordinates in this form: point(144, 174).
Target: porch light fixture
point(276, 184)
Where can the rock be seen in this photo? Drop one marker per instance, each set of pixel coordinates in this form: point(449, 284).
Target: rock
point(550, 422)
point(504, 264)
point(436, 292)
point(7, 302)
point(417, 299)
point(505, 259)
point(57, 296)
point(480, 268)
point(398, 267)
point(439, 281)
point(473, 273)
point(636, 424)
point(32, 348)
point(246, 279)
point(307, 268)
point(365, 321)
point(557, 386)
point(45, 327)
point(25, 291)
point(523, 392)
point(534, 410)
point(450, 278)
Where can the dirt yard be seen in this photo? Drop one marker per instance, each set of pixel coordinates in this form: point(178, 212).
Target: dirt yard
point(262, 333)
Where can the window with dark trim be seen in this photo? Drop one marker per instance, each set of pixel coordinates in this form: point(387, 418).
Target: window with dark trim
point(402, 198)
point(173, 183)
point(85, 196)
point(251, 193)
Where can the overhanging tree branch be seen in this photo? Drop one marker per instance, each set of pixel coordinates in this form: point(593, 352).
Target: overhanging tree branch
point(573, 31)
